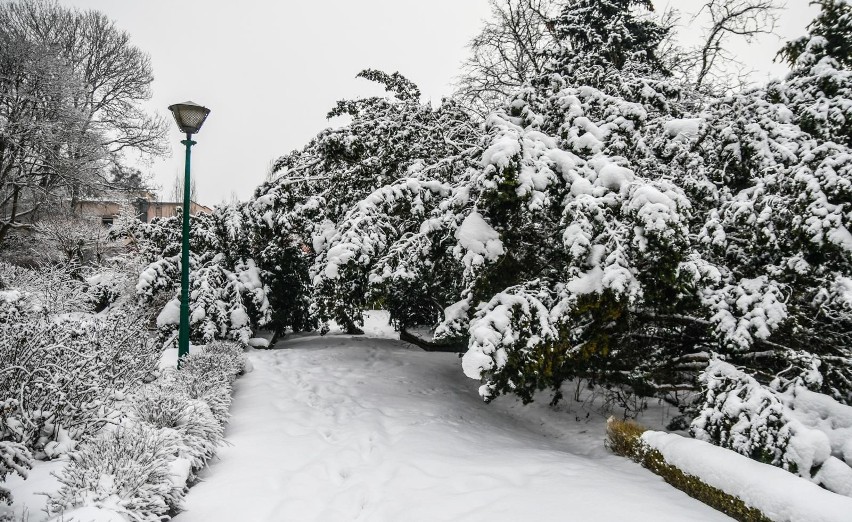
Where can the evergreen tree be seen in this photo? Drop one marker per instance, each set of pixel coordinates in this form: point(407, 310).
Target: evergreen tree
point(229, 298)
point(834, 26)
point(354, 190)
point(597, 262)
point(610, 32)
point(778, 197)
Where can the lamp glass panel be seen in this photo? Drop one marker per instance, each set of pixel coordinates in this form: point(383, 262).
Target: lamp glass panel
point(192, 117)
point(189, 116)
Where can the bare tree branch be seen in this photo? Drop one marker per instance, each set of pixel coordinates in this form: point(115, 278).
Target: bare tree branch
point(507, 52)
point(738, 18)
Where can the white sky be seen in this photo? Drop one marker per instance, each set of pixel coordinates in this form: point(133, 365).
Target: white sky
point(270, 70)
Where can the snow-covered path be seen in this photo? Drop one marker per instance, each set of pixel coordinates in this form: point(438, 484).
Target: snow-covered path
point(358, 428)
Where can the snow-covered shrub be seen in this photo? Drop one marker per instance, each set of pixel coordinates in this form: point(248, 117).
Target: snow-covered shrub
point(63, 376)
point(224, 358)
point(78, 238)
point(768, 170)
point(207, 376)
point(189, 423)
point(113, 282)
point(14, 458)
point(213, 389)
point(595, 275)
point(736, 485)
point(624, 438)
point(140, 469)
point(126, 470)
point(49, 288)
point(228, 297)
point(232, 354)
point(821, 412)
point(104, 289)
point(740, 414)
point(650, 234)
point(356, 196)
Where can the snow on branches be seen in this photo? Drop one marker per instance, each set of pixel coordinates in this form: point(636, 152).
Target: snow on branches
point(782, 429)
point(228, 297)
point(610, 222)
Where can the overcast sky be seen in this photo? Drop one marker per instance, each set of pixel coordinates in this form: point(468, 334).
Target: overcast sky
point(270, 70)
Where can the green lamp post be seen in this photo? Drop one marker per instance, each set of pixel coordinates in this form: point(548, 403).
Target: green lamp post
point(189, 117)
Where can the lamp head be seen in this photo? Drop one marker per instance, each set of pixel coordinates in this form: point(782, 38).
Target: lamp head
point(189, 116)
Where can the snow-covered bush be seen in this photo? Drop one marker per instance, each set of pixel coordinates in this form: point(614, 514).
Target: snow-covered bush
point(216, 359)
point(744, 489)
point(222, 305)
point(635, 235)
point(228, 297)
point(595, 273)
point(127, 470)
point(355, 197)
point(188, 423)
point(49, 288)
point(740, 414)
point(231, 355)
point(14, 458)
point(77, 238)
point(207, 376)
point(213, 389)
point(625, 438)
point(141, 468)
point(768, 171)
point(62, 376)
point(113, 282)
point(820, 412)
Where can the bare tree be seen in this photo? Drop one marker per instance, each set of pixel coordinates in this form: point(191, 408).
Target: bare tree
point(176, 193)
point(114, 76)
point(80, 239)
point(746, 19)
point(45, 143)
point(71, 89)
point(507, 52)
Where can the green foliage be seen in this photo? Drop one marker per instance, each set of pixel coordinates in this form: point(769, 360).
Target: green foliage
point(611, 30)
point(229, 298)
point(834, 24)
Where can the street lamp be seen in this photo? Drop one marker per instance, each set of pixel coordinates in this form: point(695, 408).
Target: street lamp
point(189, 117)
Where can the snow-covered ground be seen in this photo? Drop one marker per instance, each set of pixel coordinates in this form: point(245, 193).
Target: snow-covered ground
point(369, 428)
point(29, 495)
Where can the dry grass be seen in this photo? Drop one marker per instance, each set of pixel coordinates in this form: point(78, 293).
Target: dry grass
point(622, 437)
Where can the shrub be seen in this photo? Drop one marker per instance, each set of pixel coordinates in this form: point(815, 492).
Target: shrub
point(196, 433)
point(113, 282)
point(624, 438)
point(217, 358)
point(740, 414)
point(14, 457)
point(126, 470)
point(63, 377)
point(214, 390)
point(52, 289)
